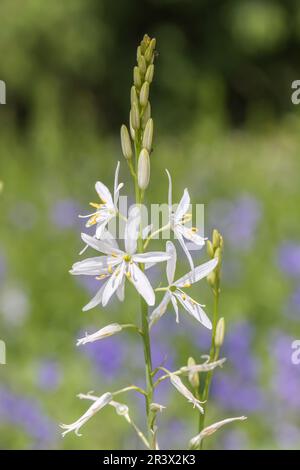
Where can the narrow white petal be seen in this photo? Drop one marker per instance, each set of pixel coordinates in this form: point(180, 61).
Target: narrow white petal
point(160, 309)
point(194, 309)
point(188, 233)
point(113, 283)
point(195, 441)
point(170, 190)
point(96, 300)
point(182, 243)
point(197, 274)
point(141, 283)
point(151, 257)
point(183, 206)
point(104, 194)
point(99, 245)
point(121, 290)
point(107, 237)
point(92, 410)
point(171, 264)
point(178, 384)
point(132, 230)
point(146, 231)
point(175, 306)
point(105, 332)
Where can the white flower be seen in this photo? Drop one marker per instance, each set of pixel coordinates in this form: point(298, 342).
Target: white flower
point(179, 218)
point(92, 410)
point(107, 209)
point(195, 441)
point(116, 265)
point(206, 367)
point(177, 383)
point(175, 293)
point(105, 332)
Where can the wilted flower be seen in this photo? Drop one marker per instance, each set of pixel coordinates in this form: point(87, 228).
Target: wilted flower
point(178, 384)
point(105, 332)
point(195, 441)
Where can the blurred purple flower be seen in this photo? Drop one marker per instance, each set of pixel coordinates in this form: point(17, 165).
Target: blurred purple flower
point(286, 377)
point(27, 414)
point(287, 436)
point(292, 309)
point(237, 220)
point(64, 214)
point(289, 258)
point(49, 374)
point(236, 394)
point(234, 440)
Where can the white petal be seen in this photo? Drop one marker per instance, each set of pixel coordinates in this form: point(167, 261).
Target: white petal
point(183, 205)
point(113, 283)
point(151, 257)
point(105, 332)
point(104, 194)
point(107, 237)
point(195, 441)
point(99, 245)
point(146, 231)
point(96, 300)
point(117, 186)
point(178, 384)
point(92, 410)
point(141, 283)
point(121, 290)
point(182, 243)
point(93, 266)
point(171, 264)
point(198, 273)
point(170, 190)
point(175, 306)
point(160, 309)
point(188, 233)
point(132, 230)
point(193, 309)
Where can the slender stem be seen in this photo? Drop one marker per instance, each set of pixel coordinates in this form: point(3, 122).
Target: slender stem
point(156, 232)
point(213, 356)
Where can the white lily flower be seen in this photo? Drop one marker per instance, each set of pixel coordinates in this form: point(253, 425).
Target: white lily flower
point(179, 218)
point(178, 384)
point(195, 441)
point(116, 265)
point(107, 209)
point(175, 293)
point(105, 332)
point(92, 410)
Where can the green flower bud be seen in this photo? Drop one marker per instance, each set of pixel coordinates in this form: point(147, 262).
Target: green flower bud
point(149, 73)
point(145, 43)
point(220, 332)
point(133, 95)
point(211, 279)
point(143, 169)
point(146, 115)
point(135, 117)
point(125, 142)
point(144, 95)
point(210, 249)
point(218, 254)
point(215, 238)
point(142, 64)
point(138, 53)
point(132, 131)
point(193, 376)
point(148, 135)
point(137, 80)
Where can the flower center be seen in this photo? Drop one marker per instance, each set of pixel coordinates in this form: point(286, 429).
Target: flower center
point(127, 258)
point(172, 288)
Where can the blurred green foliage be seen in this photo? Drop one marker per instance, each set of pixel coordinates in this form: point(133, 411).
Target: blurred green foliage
point(224, 126)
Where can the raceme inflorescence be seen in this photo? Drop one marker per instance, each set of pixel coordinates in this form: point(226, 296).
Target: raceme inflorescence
point(117, 264)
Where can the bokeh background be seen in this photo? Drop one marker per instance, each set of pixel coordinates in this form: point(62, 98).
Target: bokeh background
point(226, 128)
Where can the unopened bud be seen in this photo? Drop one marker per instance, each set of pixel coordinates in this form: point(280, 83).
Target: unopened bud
point(133, 95)
point(144, 95)
point(132, 131)
point(145, 43)
point(142, 64)
point(146, 115)
point(137, 80)
point(143, 169)
point(149, 73)
point(125, 142)
point(193, 376)
point(210, 249)
point(148, 135)
point(211, 279)
point(220, 332)
point(215, 238)
point(135, 117)
point(155, 407)
point(218, 255)
point(138, 53)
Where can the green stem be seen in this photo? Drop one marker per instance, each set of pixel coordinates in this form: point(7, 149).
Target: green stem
point(145, 331)
point(213, 356)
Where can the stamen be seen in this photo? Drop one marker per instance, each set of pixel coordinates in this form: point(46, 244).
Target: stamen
point(127, 258)
point(95, 204)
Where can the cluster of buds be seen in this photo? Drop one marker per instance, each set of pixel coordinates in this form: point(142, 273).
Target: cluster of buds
point(140, 121)
point(215, 250)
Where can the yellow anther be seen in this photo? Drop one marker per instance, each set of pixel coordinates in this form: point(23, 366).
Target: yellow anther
point(114, 255)
point(92, 220)
point(110, 270)
point(127, 258)
point(194, 229)
point(102, 276)
point(183, 297)
point(187, 285)
point(95, 204)
point(128, 275)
